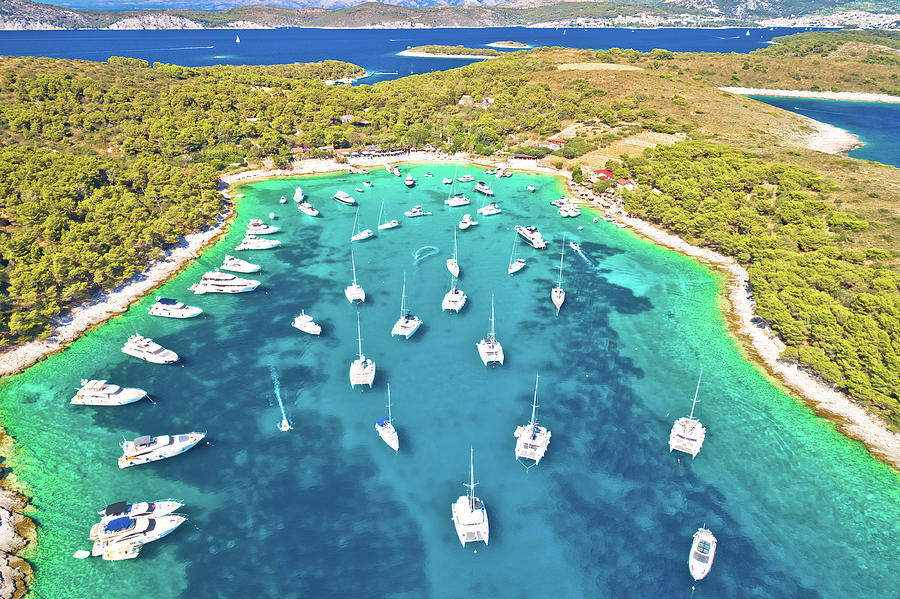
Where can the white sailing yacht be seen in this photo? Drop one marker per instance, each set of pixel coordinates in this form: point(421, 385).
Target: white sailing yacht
point(558, 294)
point(703, 552)
point(385, 427)
point(532, 440)
point(688, 433)
point(353, 291)
point(408, 322)
point(452, 263)
point(362, 370)
point(357, 234)
point(390, 224)
point(515, 263)
point(468, 513)
point(489, 348)
point(237, 39)
point(455, 299)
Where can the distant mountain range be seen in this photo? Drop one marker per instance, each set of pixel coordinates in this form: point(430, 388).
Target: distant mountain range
point(192, 14)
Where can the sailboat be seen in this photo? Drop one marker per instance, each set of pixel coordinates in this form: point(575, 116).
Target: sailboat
point(468, 513)
point(489, 348)
point(357, 234)
point(703, 552)
point(408, 322)
point(688, 433)
point(455, 299)
point(362, 370)
point(385, 427)
point(515, 264)
point(532, 440)
point(353, 291)
point(452, 264)
point(558, 294)
point(390, 224)
point(237, 39)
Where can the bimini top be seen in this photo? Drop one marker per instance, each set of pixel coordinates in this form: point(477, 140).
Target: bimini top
point(383, 421)
point(145, 440)
point(116, 508)
point(167, 301)
point(118, 524)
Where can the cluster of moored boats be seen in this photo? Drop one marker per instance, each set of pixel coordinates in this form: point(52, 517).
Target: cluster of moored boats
point(124, 528)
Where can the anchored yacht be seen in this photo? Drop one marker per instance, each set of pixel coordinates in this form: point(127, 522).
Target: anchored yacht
point(408, 323)
point(489, 348)
point(299, 196)
point(353, 291)
point(99, 393)
point(148, 350)
point(515, 263)
point(357, 234)
point(467, 222)
point(362, 370)
point(215, 281)
point(688, 433)
point(385, 427)
point(532, 236)
point(532, 440)
point(452, 262)
point(489, 210)
point(390, 224)
point(409, 182)
point(466, 179)
point(457, 200)
point(455, 299)
point(703, 552)
point(344, 198)
point(558, 294)
point(150, 449)
point(258, 227)
point(304, 322)
point(468, 513)
point(307, 208)
point(134, 531)
point(133, 510)
point(447, 181)
point(237, 265)
point(169, 308)
point(530, 188)
point(416, 211)
point(482, 187)
point(252, 242)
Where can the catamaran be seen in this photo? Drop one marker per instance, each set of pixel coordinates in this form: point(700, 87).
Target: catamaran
point(222, 282)
point(385, 427)
point(344, 198)
point(455, 299)
point(468, 513)
point(703, 552)
point(452, 263)
point(353, 291)
point(688, 433)
point(416, 211)
point(532, 440)
point(390, 224)
point(362, 370)
point(515, 263)
point(457, 200)
point(408, 323)
point(357, 234)
point(489, 348)
point(558, 294)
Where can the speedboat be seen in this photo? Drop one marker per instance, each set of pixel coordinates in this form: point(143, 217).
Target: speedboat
point(120, 551)
point(215, 281)
point(416, 211)
point(99, 393)
point(688, 433)
point(385, 427)
point(532, 440)
point(468, 513)
point(575, 247)
point(530, 188)
point(362, 370)
point(252, 242)
point(703, 552)
point(134, 531)
point(358, 189)
point(344, 198)
point(353, 291)
point(148, 350)
point(408, 323)
point(395, 171)
point(299, 196)
point(455, 299)
point(467, 222)
point(133, 510)
point(169, 308)
point(367, 184)
point(457, 200)
point(489, 210)
point(150, 449)
point(447, 181)
point(237, 265)
point(532, 236)
point(304, 322)
point(489, 348)
point(482, 187)
point(307, 208)
point(409, 182)
point(258, 227)
point(429, 174)
point(466, 179)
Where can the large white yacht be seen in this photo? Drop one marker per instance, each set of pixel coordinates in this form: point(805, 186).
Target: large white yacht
point(703, 552)
point(688, 433)
point(144, 509)
point(467, 222)
point(99, 393)
point(148, 350)
point(489, 348)
point(468, 513)
point(150, 449)
point(134, 531)
point(353, 291)
point(408, 323)
point(299, 196)
point(558, 294)
point(482, 187)
point(215, 281)
point(532, 236)
point(304, 322)
point(455, 299)
point(489, 209)
point(416, 211)
point(457, 200)
point(252, 242)
point(170, 308)
point(385, 427)
point(307, 208)
point(258, 227)
point(233, 264)
point(344, 198)
point(409, 182)
point(532, 440)
point(362, 370)
point(453, 261)
point(466, 179)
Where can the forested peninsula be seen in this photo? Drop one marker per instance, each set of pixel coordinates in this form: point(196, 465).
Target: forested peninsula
point(106, 164)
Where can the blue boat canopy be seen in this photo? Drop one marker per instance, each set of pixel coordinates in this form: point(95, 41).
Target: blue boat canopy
point(382, 421)
point(118, 524)
point(167, 301)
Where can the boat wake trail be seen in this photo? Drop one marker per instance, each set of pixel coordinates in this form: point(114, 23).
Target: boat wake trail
point(584, 257)
point(277, 385)
point(424, 252)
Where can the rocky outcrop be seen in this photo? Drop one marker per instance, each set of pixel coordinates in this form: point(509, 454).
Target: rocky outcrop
point(16, 532)
point(155, 21)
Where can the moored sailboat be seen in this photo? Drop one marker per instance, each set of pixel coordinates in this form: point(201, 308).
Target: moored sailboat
point(408, 323)
point(353, 291)
point(452, 263)
point(357, 234)
point(362, 370)
point(455, 299)
point(385, 427)
point(390, 224)
point(515, 263)
point(469, 513)
point(489, 349)
point(688, 433)
point(558, 294)
point(532, 440)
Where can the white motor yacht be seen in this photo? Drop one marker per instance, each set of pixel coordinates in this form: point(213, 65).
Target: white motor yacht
point(453, 261)
point(307, 208)
point(132, 531)
point(99, 393)
point(467, 222)
point(258, 227)
point(169, 308)
point(344, 198)
point(409, 182)
point(416, 211)
point(283, 200)
point(466, 179)
point(389, 224)
point(362, 370)
point(148, 350)
point(252, 242)
point(532, 236)
point(304, 322)
point(385, 427)
point(515, 263)
point(532, 440)
point(150, 449)
point(122, 509)
point(215, 281)
point(482, 187)
point(489, 210)
point(558, 294)
point(367, 184)
point(468, 513)
point(408, 323)
point(299, 196)
point(353, 291)
point(688, 433)
point(455, 299)
point(703, 552)
point(447, 181)
point(530, 188)
point(457, 200)
point(237, 265)
point(489, 348)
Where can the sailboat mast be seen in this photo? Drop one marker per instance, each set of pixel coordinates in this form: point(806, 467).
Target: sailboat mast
point(380, 213)
point(403, 298)
point(389, 402)
point(359, 336)
point(471, 485)
point(454, 245)
point(492, 316)
point(353, 264)
point(562, 253)
point(534, 401)
point(691, 417)
point(512, 256)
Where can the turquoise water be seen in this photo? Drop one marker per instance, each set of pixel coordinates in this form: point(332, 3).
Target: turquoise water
point(328, 510)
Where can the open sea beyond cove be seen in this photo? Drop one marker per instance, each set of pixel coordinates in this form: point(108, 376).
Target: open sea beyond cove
point(328, 510)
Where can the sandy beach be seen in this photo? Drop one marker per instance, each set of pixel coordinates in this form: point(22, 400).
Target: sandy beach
point(828, 138)
point(430, 55)
point(799, 93)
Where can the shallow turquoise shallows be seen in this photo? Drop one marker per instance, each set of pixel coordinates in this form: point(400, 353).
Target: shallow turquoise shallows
point(328, 510)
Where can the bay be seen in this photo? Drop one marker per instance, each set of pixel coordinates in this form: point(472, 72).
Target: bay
point(328, 510)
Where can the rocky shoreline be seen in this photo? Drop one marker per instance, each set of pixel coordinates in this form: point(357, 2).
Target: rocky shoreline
point(17, 532)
